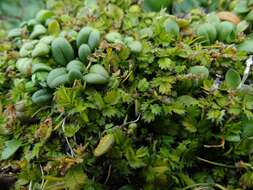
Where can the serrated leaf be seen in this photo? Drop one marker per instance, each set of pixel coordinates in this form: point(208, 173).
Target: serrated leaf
point(247, 128)
point(248, 101)
point(164, 84)
point(143, 85)
point(65, 97)
point(110, 111)
point(175, 107)
point(112, 97)
point(166, 63)
point(189, 126)
point(141, 152)
point(98, 100)
point(187, 100)
point(216, 115)
point(232, 79)
point(71, 129)
point(134, 160)
point(75, 178)
point(10, 148)
point(148, 116)
point(247, 179)
point(156, 109)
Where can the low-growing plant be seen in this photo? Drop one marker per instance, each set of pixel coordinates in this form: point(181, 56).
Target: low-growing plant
point(114, 96)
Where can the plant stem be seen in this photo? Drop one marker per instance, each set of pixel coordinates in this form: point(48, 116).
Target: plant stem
point(196, 185)
point(215, 163)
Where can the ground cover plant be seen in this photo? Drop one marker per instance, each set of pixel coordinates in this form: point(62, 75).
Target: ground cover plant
point(128, 95)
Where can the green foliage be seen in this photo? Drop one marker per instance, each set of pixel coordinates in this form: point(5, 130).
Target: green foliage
point(11, 147)
point(14, 11)
point(232, 78)
point(103, 95)
point(75, 178)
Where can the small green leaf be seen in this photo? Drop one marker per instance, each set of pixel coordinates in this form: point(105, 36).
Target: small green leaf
point(189, 126)
point(241, 7)
point(71, 129)
point(247, 46)
point(54, 27)
point(232, 78)
point(247, 128)
point(164, 84)
point(10, 148)
point(143, 85)
point(135, 158)
point(247, 179)
point(232, 138)
point(155, 109)
point(75, 178)
point(187, 100)
point(242, 26)
point(201, 71)
point(52, 183)
point(112, 97)
point(104, 145)
point(248, 101)
point(110, 111)
point(166, 63)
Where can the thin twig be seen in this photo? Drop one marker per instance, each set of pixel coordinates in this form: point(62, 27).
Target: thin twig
point(42, 108)
point(249, 62)
point(44, 185)
point(88, 66)
point(128, 75)
point(215, 163)
point(221, 145)
point(214, 145)
point(42, 176)
point(30, 185)
point(72, 154)
point(220, 186)
point(125, 120)
point(205, 184)
point(59, 124)
point(196, 185)
point(134, 121)
point(123, 124)
point(108, 174)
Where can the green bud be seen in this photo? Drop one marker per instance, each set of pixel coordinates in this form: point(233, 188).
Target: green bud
point(62, 51)
point(41, 49)
point(113, 36)
point(38, 31)
point(41, 97)
point(43, 15)
point(83, 36)
point(207, 32)
point(135, 46)
point(24, 66)
point(172, 27)
point(94, 39)
point(104, 145)
point(83, 52)
point(226, 32)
